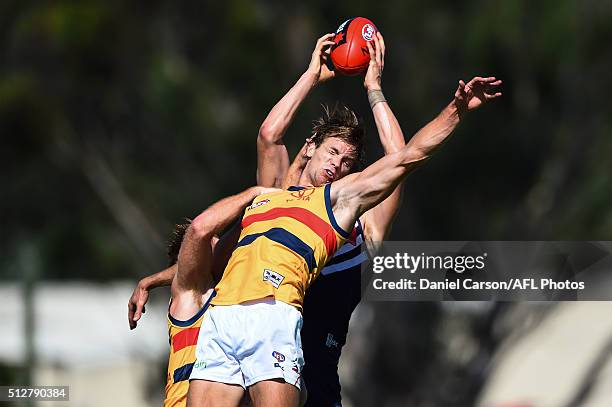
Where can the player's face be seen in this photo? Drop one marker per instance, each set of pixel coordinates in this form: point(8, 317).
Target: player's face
point(332, 160)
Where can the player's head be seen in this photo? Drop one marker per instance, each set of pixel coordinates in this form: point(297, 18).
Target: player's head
point(337, 145)
point(176, 239)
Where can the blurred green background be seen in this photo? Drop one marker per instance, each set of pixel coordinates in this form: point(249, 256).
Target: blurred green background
point(119, 118)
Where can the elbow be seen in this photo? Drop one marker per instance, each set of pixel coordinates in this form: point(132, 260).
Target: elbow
point(271, 132)
point(267, 133)
point(202, 227)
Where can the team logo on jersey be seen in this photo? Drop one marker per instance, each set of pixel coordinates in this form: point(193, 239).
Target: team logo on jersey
point(273, 277)
point(278, 356)
point(258, 204)
point(367, 32)
point(301, 195)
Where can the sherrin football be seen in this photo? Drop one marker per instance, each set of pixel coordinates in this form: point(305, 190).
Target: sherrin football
point(350, 52)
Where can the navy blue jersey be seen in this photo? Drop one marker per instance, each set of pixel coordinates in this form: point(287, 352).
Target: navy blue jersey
point(328, 305)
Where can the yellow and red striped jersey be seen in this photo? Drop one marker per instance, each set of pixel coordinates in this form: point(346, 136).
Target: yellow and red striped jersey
point(286, 239)
point(183, 338)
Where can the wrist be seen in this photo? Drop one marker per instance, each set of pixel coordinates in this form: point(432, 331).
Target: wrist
point(145, 283)
point(311, 77)
point(254, 192)
point(456, 108)
point(373, 86)
point(375, 96)
point(259, 190)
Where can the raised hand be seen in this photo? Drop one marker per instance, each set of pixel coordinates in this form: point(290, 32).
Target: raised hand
point(476, 92)
point(319, 59)
point(373, 75)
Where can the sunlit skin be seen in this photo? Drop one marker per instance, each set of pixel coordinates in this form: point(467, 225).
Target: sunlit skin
point(330, 161)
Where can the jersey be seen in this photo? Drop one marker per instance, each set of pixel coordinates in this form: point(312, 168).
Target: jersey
point(183, 337)
point(286, 239)
point(326, 321)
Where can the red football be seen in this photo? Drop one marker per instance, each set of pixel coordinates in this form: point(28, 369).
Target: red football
point(350, 52)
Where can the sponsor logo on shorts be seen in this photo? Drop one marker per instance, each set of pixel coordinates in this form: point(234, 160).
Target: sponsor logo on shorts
point(258, 204)
point(367, 32)
point(278, 356)
point(200, 364)
point(273, 277)
point(293, 364)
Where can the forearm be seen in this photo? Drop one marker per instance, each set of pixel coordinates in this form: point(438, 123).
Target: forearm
point(389, 130)
point(433, 135)
point(280, 117)
point(161, 279)
point(219, 215)
point(378, 220)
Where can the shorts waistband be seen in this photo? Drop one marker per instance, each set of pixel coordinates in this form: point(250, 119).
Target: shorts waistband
point(265, 300)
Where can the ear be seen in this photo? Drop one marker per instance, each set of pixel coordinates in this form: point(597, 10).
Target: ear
point(310, 149)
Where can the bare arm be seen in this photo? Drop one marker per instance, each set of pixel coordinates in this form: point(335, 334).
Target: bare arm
point(222, 252)
point(357, 193)
point(194, 261)
point(194, 277)
point(377, 221)
point(140, 296)
point(272, 156)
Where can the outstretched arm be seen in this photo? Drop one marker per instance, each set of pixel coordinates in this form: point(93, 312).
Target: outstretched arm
point(222, 252)
point(140, 296)
point(357, 193)
point(272, 156)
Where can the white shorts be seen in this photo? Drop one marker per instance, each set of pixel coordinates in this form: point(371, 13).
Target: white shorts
point(250, 342)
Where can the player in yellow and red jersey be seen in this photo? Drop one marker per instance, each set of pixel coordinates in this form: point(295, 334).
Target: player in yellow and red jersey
point(276, 228)
point(192, 272)
point(250, 337)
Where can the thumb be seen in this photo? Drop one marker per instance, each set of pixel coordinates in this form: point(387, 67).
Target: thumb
point(138, 313)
